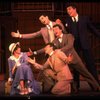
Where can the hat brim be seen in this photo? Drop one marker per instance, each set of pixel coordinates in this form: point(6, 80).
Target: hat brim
point(14, 47)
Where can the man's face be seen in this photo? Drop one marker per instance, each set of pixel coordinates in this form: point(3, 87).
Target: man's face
point(44, 20)
point(71, 11)
point(48, 49)
point(57, 31)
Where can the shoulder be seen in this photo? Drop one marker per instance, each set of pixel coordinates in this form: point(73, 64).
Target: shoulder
point(68, 35)
point(43, 28)
point(59, 53)
point(84, 17)
point(23, 54)
point(11, 58)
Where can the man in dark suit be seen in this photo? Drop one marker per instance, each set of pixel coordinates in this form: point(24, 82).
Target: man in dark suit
point(65, 42)
point(78, 26)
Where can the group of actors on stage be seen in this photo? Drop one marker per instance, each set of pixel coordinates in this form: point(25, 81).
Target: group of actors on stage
point(60, 74)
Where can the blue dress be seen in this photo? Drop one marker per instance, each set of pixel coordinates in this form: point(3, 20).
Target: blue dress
point(23, 72)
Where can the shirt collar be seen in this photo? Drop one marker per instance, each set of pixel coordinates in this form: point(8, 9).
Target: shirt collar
point(50, 25)
point(76, 17)
point(61, 35)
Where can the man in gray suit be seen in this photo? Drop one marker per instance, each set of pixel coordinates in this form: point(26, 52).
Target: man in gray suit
point(46, 32)
point(64, 42)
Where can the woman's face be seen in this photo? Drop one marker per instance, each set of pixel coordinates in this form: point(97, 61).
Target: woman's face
point(18, 50)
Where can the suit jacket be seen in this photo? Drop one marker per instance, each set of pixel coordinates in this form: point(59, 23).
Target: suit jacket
point(67, 46)
point(57, 63)
point(83, 25)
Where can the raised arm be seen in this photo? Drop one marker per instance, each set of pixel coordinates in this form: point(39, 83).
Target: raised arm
point(25, 36)
point(36, 65)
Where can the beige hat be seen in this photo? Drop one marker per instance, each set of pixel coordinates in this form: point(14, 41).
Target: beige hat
point(12, 46)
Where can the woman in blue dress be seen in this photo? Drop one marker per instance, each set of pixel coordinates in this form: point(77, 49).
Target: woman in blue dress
point(20, 72)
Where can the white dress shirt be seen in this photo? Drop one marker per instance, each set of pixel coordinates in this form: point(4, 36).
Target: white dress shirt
point(60, 38)
point(75, 18)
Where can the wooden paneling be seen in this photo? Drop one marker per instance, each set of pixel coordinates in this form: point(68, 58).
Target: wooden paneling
point(32, 6)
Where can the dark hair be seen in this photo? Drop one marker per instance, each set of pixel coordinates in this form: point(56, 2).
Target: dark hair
point(72, 5)
point(51, 45)
point(57, 25)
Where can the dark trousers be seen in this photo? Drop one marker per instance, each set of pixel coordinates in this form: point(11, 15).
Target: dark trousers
point(90, 65)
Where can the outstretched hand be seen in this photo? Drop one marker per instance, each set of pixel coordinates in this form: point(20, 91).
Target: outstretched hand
point(35, 64)
point(30, 52)
point(32, 61)
point(14, 34)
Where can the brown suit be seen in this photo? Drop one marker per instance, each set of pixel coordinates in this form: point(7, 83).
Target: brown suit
point(56, 68)
point(67, 47)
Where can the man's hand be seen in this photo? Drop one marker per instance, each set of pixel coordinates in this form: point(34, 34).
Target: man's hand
point(17, 35)
point(30, 52)
point(69, 58)
point(32, 61)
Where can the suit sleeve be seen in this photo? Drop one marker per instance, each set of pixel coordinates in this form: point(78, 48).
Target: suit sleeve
point(68, 44)
point(31, 35)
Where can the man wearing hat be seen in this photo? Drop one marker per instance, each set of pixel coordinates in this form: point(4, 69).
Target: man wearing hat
point(20, 73)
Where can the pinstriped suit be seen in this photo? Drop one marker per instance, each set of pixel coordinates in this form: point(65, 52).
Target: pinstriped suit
point(67, 47)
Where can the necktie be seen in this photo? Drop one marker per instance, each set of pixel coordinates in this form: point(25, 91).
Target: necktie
point(74, 19)
point(51, 34)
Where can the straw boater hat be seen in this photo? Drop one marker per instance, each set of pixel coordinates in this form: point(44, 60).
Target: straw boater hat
point(12, 46)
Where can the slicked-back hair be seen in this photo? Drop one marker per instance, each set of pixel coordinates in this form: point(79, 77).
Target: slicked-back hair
point(51, 45)
point(57, 25)
point(72, 5)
